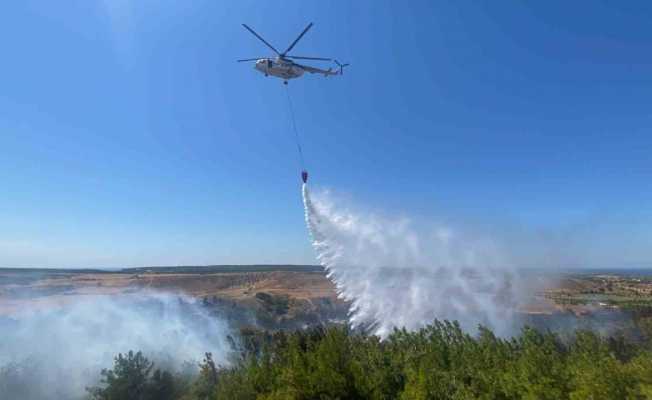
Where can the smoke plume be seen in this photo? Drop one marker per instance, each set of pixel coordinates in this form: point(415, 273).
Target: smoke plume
point(396, 277)
point(55, 354)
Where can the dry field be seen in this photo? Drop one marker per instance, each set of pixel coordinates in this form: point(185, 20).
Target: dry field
point(302, 289)
point(20, 291)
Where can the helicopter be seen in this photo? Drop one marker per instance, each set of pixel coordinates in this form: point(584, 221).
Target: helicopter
point(282, 66)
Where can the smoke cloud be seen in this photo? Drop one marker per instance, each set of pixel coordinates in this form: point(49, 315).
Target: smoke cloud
point(56, 354)
point(396, 276)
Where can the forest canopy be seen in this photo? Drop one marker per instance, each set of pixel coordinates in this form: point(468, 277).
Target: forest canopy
point(440, 361)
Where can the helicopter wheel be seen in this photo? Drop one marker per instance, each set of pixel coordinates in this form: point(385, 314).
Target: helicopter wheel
point(285, 82)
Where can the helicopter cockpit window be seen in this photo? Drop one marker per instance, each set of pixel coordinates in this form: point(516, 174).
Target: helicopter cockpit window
point(269, 63)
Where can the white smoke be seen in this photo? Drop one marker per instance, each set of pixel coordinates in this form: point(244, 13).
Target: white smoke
point(395, 277)
point(56, 354)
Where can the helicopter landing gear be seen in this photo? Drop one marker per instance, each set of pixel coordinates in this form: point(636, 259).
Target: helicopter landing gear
point(285, 82)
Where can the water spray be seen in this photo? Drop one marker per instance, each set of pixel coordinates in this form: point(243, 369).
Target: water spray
point(391, 279)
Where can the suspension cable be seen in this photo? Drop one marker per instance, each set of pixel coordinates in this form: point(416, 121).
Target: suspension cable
point(296, 131)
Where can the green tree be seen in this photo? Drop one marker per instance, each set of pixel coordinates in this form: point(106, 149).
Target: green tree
point(439, 361)
point(133, 378)
point(539, 372)
point(597, 374)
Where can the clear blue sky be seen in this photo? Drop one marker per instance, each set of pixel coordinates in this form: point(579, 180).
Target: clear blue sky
point(129, 136)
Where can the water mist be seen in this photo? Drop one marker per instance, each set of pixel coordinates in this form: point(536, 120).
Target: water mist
point(394, 277)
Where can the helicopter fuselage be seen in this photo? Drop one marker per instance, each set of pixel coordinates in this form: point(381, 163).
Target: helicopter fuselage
point(279, 68)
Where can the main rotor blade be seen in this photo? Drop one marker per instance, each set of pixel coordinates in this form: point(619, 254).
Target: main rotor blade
point(309, 58)
point(250, 59)
point(261, 39)
point(298, 38)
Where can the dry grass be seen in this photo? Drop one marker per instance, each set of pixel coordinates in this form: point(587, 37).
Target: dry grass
point(241, 287)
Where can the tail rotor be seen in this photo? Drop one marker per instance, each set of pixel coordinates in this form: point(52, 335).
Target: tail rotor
point(341, 66)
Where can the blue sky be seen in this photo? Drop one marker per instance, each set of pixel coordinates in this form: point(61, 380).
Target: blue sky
point(130, 137)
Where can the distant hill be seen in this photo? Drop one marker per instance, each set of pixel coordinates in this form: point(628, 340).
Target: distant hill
point(212, 269)
point(180, 269)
